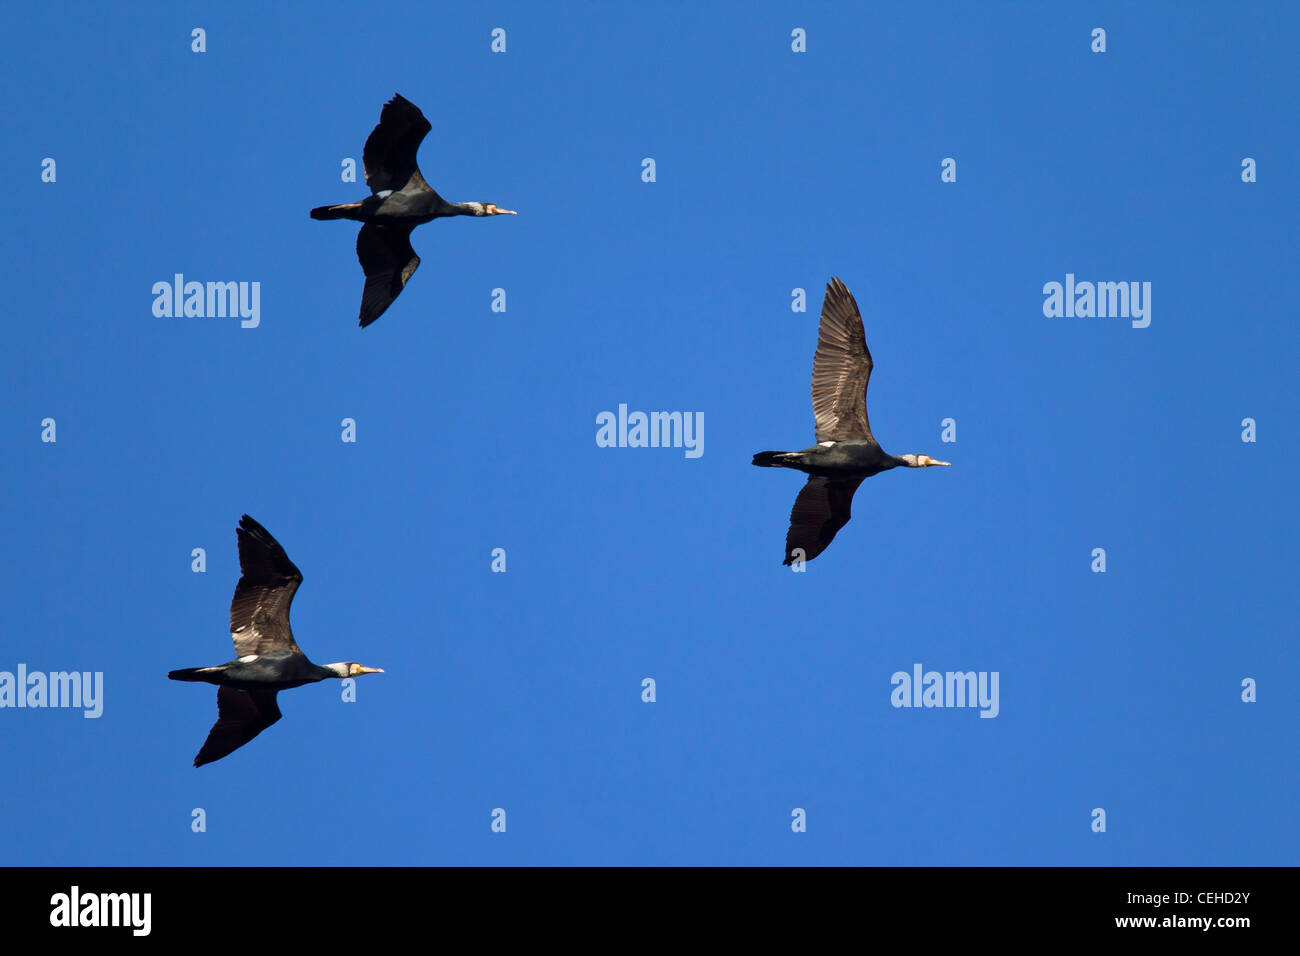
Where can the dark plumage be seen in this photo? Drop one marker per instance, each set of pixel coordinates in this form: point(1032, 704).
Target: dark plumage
point(400, 200)
point(268, 660)
point(846, 452)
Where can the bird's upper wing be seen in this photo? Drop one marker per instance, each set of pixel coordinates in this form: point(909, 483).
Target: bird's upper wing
point(841, 369)
point(388, 260)
point(389, 155)
point(259, 611)
point(822, 508)
point(241, 716)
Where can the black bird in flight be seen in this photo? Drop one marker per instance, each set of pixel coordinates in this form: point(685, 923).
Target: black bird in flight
point(268, 660)
point(400, 200)
point(846, 452)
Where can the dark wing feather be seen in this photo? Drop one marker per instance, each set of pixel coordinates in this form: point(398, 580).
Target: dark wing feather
point(841, 369)
point(388, 260)
point(259, 611)
point(241, 716)
point(389, 155)
point(822, 508)
point(417, 184)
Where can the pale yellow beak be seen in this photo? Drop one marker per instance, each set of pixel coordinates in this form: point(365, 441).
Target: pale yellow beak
point(935, 461)
point(368, 670)
point(498, 211)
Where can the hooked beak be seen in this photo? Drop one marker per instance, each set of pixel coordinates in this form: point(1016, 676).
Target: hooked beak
point(935, 461)
point(369, 670)
point(498, 211)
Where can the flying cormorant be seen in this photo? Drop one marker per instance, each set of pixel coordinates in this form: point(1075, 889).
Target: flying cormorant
point(268, 661)
point(846, 452)
point(400, 200)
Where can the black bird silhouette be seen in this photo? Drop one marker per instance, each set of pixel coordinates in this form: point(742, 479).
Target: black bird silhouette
point(400, 200)
point(268, 660)
point(846, 452)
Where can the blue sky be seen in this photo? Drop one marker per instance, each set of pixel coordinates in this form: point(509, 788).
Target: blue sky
point(775, 170)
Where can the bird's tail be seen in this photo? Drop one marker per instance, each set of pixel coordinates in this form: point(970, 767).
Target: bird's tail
point(195, 673)
point(772, 459)
point(341, 211)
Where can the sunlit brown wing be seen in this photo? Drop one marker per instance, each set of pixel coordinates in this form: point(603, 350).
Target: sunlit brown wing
point(388, 260)
point(389, 154)
point(822, 508)
point(259, 611)
point(241, 716)
point(841, 369)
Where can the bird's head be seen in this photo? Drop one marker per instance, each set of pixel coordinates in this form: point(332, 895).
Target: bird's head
point(352, 669)
point(921, 461)
point(489, 209)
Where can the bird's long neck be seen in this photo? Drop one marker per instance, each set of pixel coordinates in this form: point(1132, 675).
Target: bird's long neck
point(461, 208)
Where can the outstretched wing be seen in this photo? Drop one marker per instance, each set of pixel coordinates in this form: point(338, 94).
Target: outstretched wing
point(259, 611)
point(388, 260)
point(822, 508)
point(841, 369)
point(389, 155)
point(241, 716)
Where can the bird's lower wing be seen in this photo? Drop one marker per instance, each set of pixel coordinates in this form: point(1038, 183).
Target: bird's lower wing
point(388, 261)
point(822, 508)
point(241, 716)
